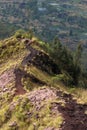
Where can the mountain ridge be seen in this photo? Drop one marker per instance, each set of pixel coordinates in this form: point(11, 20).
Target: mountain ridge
point(32, 94)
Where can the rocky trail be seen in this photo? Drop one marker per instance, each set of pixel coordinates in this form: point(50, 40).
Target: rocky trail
point(74, 114)
point(6, 78)
point(40, 60)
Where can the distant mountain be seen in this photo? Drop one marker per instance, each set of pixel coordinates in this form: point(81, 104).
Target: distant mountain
point(65, 19)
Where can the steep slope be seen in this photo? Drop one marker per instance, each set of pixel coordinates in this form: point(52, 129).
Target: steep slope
point(30, 99)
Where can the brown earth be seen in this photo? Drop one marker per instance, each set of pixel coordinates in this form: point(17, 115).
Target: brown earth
point(8, 77)
point(73, 113)
point(18, 83)
point(40, 60)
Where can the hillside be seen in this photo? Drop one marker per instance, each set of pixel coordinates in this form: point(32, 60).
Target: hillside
point(32, 94)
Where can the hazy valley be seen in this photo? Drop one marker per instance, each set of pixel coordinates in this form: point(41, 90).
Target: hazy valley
point(66, 20)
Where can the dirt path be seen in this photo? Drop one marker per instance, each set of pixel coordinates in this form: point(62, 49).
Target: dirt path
point(73, 113)
point(18, 83)
point(11, 76)
point(19, 74)
point(40, 60)
point(33, 53)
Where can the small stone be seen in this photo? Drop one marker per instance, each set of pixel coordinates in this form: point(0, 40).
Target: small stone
point(50, 128)
point(29, 114)
point(13, 124)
